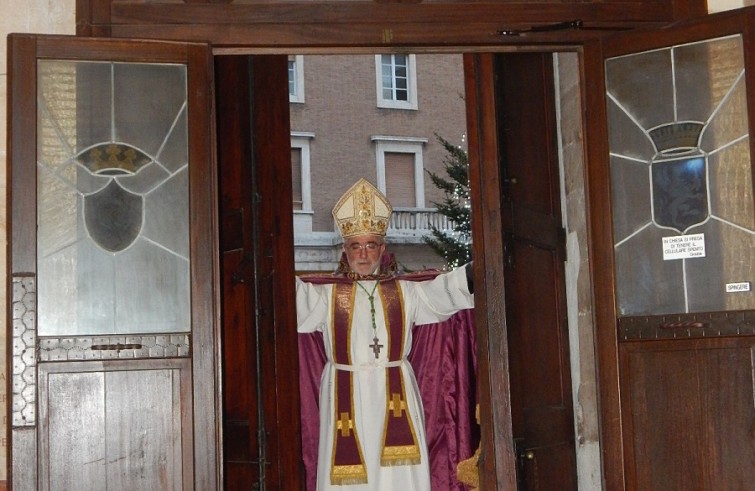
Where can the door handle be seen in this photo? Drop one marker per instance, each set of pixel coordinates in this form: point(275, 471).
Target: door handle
point(526, 472)
point(116, 346)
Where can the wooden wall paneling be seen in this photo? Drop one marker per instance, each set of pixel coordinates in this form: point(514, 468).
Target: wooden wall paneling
point(99, 14)
point(682, 9)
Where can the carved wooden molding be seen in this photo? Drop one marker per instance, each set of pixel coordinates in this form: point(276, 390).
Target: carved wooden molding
point(140, 346)
point(697, 325)
point(24, 397)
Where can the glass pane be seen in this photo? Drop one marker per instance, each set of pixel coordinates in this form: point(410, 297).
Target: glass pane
point(112, 198)
point(400, 189)
point(681, 179)
point(291, 77)
point(296, 178)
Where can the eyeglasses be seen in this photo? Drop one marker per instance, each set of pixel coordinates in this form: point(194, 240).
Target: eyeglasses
point(369, 246)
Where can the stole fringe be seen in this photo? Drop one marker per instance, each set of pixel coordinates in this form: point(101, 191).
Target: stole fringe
point(394, 462)
point(344, 475)
point(400, 455)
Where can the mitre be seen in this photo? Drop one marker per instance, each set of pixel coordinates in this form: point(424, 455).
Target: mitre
point(362, 210)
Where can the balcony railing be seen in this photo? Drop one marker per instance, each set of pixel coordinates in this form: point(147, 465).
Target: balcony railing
point(320, 250)
point(416, 222)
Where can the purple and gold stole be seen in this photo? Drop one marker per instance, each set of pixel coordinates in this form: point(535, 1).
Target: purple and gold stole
point(399, 439)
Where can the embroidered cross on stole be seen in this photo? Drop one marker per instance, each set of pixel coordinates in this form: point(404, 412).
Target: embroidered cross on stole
point(399, 445)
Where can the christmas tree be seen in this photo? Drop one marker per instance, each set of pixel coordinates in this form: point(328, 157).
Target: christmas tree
point(453, 244)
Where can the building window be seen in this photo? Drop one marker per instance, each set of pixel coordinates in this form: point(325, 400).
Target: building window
point(296, 78)
point(400, 170)
point(396, 81)
point(300, 171)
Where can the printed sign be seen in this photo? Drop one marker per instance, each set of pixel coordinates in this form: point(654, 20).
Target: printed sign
point(743, 286)
point(683, 247)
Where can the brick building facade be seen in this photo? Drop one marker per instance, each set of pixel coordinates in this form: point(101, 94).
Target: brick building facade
point(342, 128)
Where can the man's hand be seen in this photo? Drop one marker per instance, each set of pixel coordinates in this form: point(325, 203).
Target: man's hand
point(470, 276)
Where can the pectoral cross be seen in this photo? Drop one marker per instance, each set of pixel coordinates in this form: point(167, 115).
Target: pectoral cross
point(376, 347)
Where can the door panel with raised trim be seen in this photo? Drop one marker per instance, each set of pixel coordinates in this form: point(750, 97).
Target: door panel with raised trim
point(112, 264)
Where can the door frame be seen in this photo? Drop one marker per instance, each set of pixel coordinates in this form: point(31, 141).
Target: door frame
point(432, 28)
point(497, 463)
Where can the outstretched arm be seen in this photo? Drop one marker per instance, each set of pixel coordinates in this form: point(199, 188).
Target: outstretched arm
point(440, 298)
point(311, 306)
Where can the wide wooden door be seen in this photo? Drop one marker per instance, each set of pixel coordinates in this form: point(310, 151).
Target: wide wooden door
point(534, 255)
point(527, 437)
point(673, 232)
point(113, 270)
point(261, 425)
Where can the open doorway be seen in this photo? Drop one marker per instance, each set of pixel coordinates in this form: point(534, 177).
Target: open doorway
point(382, 117)
point(565, 103)
point(395, 120)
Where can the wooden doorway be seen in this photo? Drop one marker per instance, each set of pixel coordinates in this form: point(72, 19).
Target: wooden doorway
point(249, 411)
point(119, 20)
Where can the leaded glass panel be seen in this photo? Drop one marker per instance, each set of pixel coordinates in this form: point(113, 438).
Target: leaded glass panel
point(112, 198)
point(681, 179)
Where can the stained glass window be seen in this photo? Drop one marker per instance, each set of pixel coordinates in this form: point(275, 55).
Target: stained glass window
point(112, 198)
point(681, 179)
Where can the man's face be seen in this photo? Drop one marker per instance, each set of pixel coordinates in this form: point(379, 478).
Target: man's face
point(363, 253)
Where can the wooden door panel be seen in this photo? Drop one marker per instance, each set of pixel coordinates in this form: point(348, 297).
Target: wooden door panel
point(540, 382)
point(127, 430)
point(541, 398)
point(547, 465)
point(690, 415)
point(527, 128)
point(497, 462)
point(240, 404)
point(79, 442)
point(112, 264)
point(657, 425)
point(261, 399)
point(144, 410)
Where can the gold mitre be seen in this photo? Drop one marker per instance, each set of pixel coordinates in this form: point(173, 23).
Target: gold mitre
point(362, 210)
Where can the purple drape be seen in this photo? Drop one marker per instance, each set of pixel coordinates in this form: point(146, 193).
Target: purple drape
point(444, 359)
